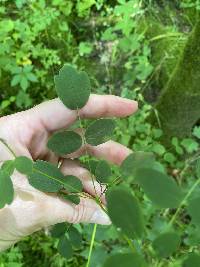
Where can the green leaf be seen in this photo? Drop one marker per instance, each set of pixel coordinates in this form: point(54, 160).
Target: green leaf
point(73, 88)
point(159, 188)
point(124, 211)
point(72, 198)
point(75, 237)
point(103, 171)
point(125, 260)
point(65, 142)
point(193, 210)
point(135, 161)
point(24, 165)
point(65, 247)
point(91, 165)
point(193, 260)
point(6, 189)
point(72, 184)
point(196, 132)
point(198, 168)
point(166, 244)
point(59, 229)
point(99, 131)
point(46, 177)
point(8, 166)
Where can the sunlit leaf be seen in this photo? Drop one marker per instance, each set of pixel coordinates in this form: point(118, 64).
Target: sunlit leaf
point(99, 131)
point(125, 260)
point(6, 189)
point(103, 171)
point(24, 165)
point(73, 87)
point(166, 244)
point(59, 229)
point(193, 210)
point(64, 142)
point(193, 260)
point(161, 189)
point(124, 211)
point(65, 247)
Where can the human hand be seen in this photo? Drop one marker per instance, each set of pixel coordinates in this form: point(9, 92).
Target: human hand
point(27, 133)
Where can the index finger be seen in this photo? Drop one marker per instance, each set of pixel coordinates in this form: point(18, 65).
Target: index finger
point(53, 115)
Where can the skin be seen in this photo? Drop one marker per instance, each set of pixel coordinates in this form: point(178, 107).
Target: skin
point(27, 134)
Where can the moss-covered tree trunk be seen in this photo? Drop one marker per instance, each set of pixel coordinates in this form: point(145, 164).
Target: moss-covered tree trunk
point(179, 104)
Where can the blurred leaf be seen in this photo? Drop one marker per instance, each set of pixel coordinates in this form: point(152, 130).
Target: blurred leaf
point(72, 198)
point(103, 171)
point(166, 244)
point(125, 260)
point(159, 188)
point(99, 131)
point(59, 229)
point(8, 166)
point(196, 132)
point(75, 237)
point(193, 210)
point(73, 88)
point(6, 189)
point(65, 142)
point(193, 260)
point(24, 165)
point(65, 247)
point(124, 211)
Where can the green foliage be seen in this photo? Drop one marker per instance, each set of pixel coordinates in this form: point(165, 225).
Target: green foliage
point(65, 142)
point(128, 260)
point(193, 211)
point(23, 165)
point(103, 171)
point(193, 260)
point(6, 189)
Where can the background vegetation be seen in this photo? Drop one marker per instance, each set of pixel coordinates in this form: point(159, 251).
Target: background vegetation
point(129, 48)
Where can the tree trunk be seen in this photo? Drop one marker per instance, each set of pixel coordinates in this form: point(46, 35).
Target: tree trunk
point(179, 104)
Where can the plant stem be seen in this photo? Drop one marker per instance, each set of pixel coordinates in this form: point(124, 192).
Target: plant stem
point(130, 243)
point(8, 147)
point(91, 245)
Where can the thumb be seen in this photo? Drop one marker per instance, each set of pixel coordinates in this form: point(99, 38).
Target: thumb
point(87, 211)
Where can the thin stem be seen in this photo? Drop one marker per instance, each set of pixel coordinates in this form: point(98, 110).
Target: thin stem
point(91, 245)
point(183, 202)
point(8, 147)
point(130, 243)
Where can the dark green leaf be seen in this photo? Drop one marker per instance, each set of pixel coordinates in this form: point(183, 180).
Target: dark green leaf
point(135, 161)
point(59, 229)
point(46, 177)
point(125, 260)
point(24, 165)
point(72, 184)
point(103, 171)
point(73, 88)
point(65, 247)
point(99, 131)
point(8, 166)
point(65, 142)
point(75, 237)
point(193, 260)
point(193, 210)
point(72, 198)
point(198, 168)
point(91, 165)
point(124, 211)
point(161, 189)
point(6, 189)
point(166, 244)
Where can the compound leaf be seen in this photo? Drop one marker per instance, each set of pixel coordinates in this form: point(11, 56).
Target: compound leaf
point(166, 244)
point(64, 142)
point(99, 131)
point(125, 260)
point(6, 189)
point(124, 211)
point(159, 188)
point(73, 87)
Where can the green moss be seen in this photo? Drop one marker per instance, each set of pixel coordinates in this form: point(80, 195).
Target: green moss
point(179, 104)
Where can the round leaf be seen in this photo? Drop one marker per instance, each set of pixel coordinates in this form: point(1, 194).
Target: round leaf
point(6, 189)
point(65, 247)
point(24, 165)
point(8, 166)
point(65, 142)
point(125, 260)
point(103, 171)
point(59, 229)
point(72, 184)
point(124, 211)
point(159, 188)
point(99, 131)
point(166, 244)
point(72, 87)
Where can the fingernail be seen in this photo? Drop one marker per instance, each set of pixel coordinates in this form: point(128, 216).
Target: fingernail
point(100, 217)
